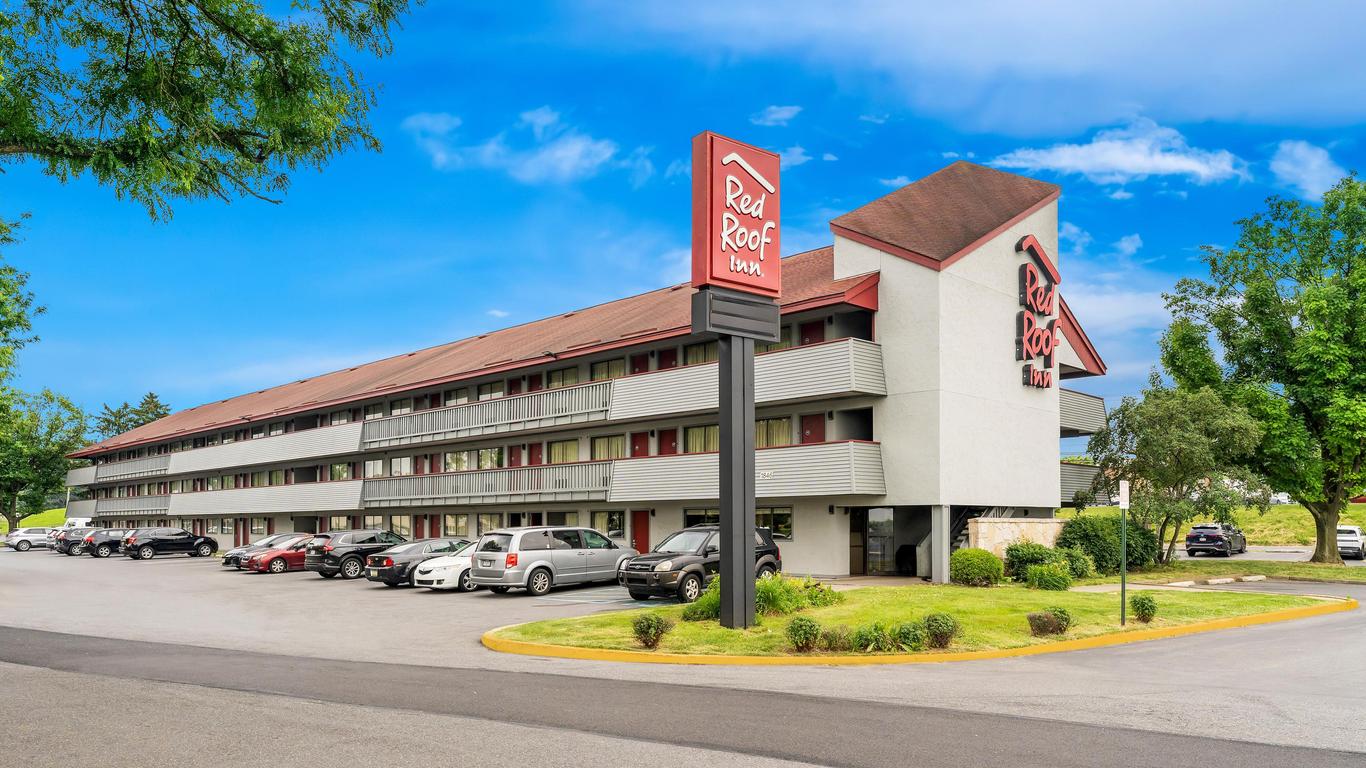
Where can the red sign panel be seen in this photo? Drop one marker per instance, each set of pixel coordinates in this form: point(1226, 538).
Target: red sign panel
point(734, 216)
point(1036, 330)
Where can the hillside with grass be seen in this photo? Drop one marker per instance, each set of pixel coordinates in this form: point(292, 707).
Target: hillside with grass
point(48, 519)
point(1283, 524)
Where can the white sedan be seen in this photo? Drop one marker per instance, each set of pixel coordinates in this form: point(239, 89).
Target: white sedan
point(447, 572)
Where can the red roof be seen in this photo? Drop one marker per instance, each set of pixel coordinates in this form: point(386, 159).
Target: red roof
point(808, 282)
point(1081, 343)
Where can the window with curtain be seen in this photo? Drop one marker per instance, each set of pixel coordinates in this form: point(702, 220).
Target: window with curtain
point(277, 428)
point(402, 525)
point(563, 377)
point(776, 519)
point(456, 525)
point(562, 518)
point(490, 520)
point(401, 406)
point(705, 352)
point(340, 417)
point(702, 439)
point(490, 390)
point(771, 432)
point(277, 477)
point(213, 483)
point(258, 526)
point(374, 468)
point(610, 522)
point(374, 411)
point(608, 369)
point(701, 516)
point(784, 341)
point(563, 451)
point(400, 466)
point(339, 522)
point(457, 396)
point(372, 521)
point(260, 479)
point(609, 447)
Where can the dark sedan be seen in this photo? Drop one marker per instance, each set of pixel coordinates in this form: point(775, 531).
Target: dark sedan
point(397, 565)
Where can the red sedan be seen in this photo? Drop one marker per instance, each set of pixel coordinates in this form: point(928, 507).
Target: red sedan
point(288, 556)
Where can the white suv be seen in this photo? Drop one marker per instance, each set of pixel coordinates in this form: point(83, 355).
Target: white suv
point(1350, 542)
point(24, 539)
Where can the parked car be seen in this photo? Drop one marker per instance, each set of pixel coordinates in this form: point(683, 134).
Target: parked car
point(284, 555)
point(344, 552)
point(539, 557)
point(146, 543)
point(450, 571)
point(397, 565)
point(683, 564)
point(70, 540)
point(1350, 542)
point(24, 539)
point(1215, 538)
point(234, 557)
point(103, 542)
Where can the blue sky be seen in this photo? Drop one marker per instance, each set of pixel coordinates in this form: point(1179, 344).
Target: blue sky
point(535, 161)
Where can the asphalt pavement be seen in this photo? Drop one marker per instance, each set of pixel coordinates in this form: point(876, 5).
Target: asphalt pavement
point(1281, 553)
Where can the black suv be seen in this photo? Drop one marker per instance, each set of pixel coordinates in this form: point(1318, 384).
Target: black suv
point(344, 552)
point(146, 543)
point(683, 564)
point(70, 540)
point(103, 542)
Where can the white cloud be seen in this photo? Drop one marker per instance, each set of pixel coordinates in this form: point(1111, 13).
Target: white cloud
point(775, 115)
point(1121, 194)
point(431, 131)
point(874, 119)
point(829, 157)
point(498, 313)
point(895, 181)
point(678, 167)
point(1133, 153)
point(1069, 233)
point(1127, 246)
point(793, 157)
point(949, 155)
point(1306, 168)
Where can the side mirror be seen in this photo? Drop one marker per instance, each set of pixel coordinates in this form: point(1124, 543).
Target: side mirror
point(711, 550)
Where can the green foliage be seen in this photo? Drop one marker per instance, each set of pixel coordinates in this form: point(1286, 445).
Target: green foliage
point(1098, 537)
point(17, 308)
point(777, 595)
point(910, 636)
point(1049, 621)
point(39, 431)
point(115, 421)
point(941, 629)
point(1081, 499)
point(650, 628)
point(1079, 563)
point(707, 606)
point(819, 595)
point(151, 408)
point(874, 638)
point(1144, 606)
point(1050, 576)
point(975, 567)
point(774, 595)
point(1022, 554)
point(174, 99)
point(1287, 305)
point(803, 633)
point(836, 639)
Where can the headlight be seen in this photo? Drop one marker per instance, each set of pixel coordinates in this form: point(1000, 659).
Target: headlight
point(667, 565)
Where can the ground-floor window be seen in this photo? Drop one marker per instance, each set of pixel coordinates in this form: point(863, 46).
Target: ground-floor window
point(562, 518)
point(610, 522)
point(490, 520)
point(776, 519)
point(456, 525)
point(339, 523)
point(224, 525)
point(258, 526)
point(693, 517)
point(402, 525)
point(372, 521)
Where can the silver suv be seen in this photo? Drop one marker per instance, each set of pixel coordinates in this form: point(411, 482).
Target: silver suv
point(24, 539)
point(539, 557)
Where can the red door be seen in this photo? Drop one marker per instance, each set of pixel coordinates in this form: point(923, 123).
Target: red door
point(813, 428)
point(668, 358)
point(534, 454)
point(514, 455)
point(640, 363)
point(419, 526)
point(640, 530)
point(533, 382)
point(640, 443)
point(514, 387)
point(811, 333)
point(668, 442)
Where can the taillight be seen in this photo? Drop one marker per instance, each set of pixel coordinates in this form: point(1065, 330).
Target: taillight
point(511, 561)
point(327, 547)
point(89, 538)
point(132, 539)
point(387, 562)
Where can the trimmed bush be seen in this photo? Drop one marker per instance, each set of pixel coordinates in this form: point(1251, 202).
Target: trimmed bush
point(1050, 576)
point(1049, 621)
point(1142, 546)
point(910, 636)
point(819, 595)
point(777, 595)
point(1144, 606)
point(836, 639)
point(873, 638)
point(1079, 563)
point(650, 628)
point(1098, 536)
point(707, 605)
point(803, 633)
point(1022, 554)
point(975, 568)
point(941, 629)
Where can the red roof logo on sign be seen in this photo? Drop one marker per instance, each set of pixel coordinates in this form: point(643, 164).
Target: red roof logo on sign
point(735, 216)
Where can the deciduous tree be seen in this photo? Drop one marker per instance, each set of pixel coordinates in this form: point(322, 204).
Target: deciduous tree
point(36, 434)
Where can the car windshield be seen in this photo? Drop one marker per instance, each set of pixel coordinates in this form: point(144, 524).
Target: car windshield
point(495, 542)
point(409, 547)
point(683, 542)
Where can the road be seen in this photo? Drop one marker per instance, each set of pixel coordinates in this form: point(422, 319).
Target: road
point(1227, 698)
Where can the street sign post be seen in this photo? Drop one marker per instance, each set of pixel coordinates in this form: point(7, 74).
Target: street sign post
point(737, 271)
point(1123, 551)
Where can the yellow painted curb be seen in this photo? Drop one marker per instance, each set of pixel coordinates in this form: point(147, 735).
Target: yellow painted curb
point(504, 645)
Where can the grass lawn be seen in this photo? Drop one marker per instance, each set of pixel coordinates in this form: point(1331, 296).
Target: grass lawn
point(1206, 568)
point(991, 618)
point(1282, 524)
point(52, 518)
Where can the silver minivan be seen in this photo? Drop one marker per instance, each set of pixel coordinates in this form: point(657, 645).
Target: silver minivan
point(24, 539)
point(536, 558)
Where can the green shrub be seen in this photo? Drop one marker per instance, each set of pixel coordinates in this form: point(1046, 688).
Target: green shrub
point(650, 628)
point(941, 629)
point(1098, 536)
point(975, 568)
point(1050, 576)
point(707, 605)
point(1049, 621)
point(1079, 563)
point(1144, 606)
point(836, 639)
point(1022, 554)
point(803, 633)
point(873, 638)
point(777, 595)
point(819, 595)
point(1142, 543)
point(909, 636)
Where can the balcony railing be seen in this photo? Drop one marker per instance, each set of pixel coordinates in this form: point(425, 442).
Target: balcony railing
point(584, 481)
point(80, 476)
point(132, 505)
point(1079, 413)
point(537, 410)
point(126, 470)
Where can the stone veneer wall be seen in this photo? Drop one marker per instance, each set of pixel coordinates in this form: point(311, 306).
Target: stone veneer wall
point(996, 533)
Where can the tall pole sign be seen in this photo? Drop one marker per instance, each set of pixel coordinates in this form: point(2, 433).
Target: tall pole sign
point(1123, 551)
point(738, 274)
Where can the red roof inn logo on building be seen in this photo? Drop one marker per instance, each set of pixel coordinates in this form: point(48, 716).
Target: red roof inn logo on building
point(735, 216)
point(1036, 331)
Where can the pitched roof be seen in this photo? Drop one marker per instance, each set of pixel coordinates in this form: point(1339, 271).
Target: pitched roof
point(808, 281)
point(943, 216)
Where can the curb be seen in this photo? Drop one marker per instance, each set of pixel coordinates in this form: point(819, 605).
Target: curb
point(525, 648)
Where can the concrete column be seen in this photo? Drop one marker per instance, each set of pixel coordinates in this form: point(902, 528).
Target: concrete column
point(940, 520)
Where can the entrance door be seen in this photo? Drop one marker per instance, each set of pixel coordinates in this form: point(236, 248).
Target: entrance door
point(811, 333)
point(666, 359)
point(813, 428)
point(640, 443)
point(640, 363)
point(668, 442)
point(640, 530)
point(514, 387)
point(881, 542)
point(858, 533)
point(534, 454)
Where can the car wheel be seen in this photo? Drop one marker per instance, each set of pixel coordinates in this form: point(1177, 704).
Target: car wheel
point(350, 569)
point(689, 589)
point(538, 583)
point(278, 565)
point(640, 596)
point(103, 551)
point(145, 552)
point(499, 590)
point(203, 550)
point(464, 583)
point(765, 570)
point(73, 551)
point(22, 546)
